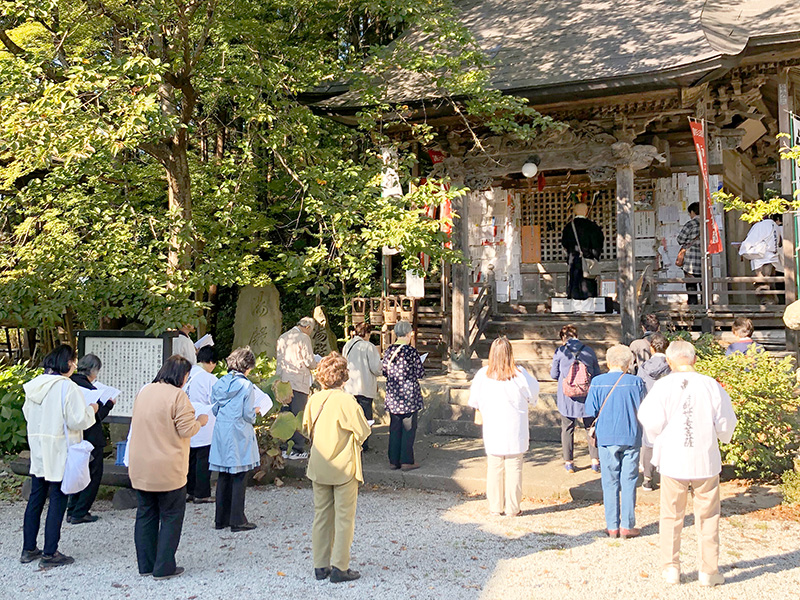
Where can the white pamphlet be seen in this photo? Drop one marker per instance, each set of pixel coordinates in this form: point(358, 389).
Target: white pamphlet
point(262, 401)
point(371, 422)
point(203, 409)
point(317, 358)
point(423, 357)
point(204, 341)
point(102, 394)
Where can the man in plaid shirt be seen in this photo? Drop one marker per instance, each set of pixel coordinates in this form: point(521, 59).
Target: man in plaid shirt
point(689, 238)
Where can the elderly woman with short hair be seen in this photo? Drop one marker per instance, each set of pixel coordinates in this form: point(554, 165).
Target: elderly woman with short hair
point(403, 369)
point(234, 449)
point(336, 426)
point(79, 504)
point(614, 400)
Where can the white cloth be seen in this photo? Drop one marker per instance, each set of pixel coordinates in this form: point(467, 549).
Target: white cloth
point(183, 345)
point(295, 359)
point(45, 419)
point(504, 409)
point(364, 366)
point(198, 388)
point(765, 231)
point(684, 415)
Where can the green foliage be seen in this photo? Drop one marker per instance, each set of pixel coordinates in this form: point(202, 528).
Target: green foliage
point(758, 210)
point(151, 150)
point(761, 387)
point(10, 486)
point(13, 429)
point(790, 487)
point(706, 346)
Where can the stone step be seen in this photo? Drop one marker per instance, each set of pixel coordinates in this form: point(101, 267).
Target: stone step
point(541, 349)
point(540, 330)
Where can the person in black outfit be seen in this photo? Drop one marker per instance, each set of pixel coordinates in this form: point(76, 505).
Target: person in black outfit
point(590, 236)
point(79, 504)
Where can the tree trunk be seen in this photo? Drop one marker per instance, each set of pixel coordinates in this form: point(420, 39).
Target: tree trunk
point(180, 204)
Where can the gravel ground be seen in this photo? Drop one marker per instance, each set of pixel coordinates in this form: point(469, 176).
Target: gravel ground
point(409, 544)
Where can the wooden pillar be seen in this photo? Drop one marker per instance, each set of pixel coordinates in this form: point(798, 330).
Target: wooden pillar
point(625, 252)
point(460, 277)
point(785, 106)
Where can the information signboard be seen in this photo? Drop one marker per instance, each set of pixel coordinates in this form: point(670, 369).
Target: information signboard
point(130, 360)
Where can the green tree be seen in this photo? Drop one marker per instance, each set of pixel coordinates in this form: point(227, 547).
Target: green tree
point(152, 150)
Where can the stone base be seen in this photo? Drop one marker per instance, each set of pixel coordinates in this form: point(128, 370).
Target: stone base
point(124, 499)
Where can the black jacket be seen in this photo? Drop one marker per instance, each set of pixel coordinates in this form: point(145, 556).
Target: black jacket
point(94, 434)
point(590, 235)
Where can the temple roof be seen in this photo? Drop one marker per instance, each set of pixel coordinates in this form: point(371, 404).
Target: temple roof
point(551, 46)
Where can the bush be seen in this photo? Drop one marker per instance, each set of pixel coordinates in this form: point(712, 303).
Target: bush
point(790, 487)
point(761, 388)
point(12, 422)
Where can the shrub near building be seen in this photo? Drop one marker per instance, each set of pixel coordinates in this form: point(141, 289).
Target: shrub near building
point(762, 389)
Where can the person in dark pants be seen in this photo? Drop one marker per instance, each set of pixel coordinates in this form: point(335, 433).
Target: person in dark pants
point(56, 413)
point(572, 409)
point(364, 366)
point(162, 424)
point(689, 240)
point(79, 504)
point(403, 369)
point(234, 449)
point(589, 241)
point(201, 382)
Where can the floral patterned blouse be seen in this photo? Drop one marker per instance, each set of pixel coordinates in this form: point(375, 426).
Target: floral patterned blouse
point(403, 368)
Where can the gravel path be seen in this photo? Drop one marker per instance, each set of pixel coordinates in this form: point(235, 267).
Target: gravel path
point(409, 544)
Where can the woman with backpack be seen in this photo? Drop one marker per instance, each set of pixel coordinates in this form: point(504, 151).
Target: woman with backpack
point(574, 365)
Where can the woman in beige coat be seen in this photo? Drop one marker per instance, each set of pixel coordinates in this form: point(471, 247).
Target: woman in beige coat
point(162, 425)
point(336, 426)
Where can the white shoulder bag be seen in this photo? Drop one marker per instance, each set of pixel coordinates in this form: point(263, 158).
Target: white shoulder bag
point(76, 471)
point(590, 267)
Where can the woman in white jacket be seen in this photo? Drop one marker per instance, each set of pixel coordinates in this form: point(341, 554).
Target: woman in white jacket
point(502, 392)
point(51, 401)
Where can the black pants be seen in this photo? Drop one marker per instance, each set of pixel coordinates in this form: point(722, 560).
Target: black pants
point(40, 491)
point(299, 400)
point(366, 405)
point(578, 287)
point(230, 500)
point(159, 521)
point(693, 298)
point(402, 431)
point(80, 504)
point(198, 481)
point(568, 437)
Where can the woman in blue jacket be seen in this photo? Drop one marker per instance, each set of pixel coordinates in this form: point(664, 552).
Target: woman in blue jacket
point(572, 409)
point(234, 450)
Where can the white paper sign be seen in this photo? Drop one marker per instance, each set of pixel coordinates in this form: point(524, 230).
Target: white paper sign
point(415, 285)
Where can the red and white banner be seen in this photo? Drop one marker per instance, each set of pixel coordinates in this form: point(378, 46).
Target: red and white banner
point(698, 133)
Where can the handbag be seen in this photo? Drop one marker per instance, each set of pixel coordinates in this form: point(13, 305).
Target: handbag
point(681, 258)
point(592, 431)
point(589, 266)
point(76, 470)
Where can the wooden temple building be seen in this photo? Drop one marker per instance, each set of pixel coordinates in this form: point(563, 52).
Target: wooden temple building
point(624, 77)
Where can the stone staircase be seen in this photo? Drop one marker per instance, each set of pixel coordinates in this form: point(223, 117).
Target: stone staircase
point(534, 337)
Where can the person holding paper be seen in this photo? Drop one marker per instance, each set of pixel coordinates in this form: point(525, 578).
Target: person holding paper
point(79, 504)
point(403, 369)
point(234, 449)
point(55, 414)
point(198, 388)
point(162, 424)
point(182, 345)
point(364, 367)
point(295, 359)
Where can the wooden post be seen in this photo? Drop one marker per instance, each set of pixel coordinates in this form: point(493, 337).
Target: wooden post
point(785, 107)
point(459, 361)
point(625, 252)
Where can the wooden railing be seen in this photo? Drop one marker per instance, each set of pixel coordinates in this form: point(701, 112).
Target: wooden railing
point(721, 287)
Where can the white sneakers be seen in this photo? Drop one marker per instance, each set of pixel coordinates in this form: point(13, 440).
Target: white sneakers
point(672, 576)
point(711, 579)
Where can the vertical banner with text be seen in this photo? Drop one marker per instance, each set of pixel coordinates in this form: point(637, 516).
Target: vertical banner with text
point(699, 136)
